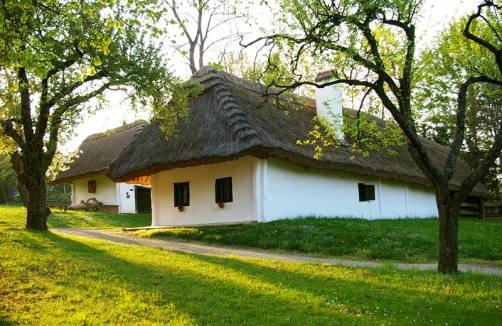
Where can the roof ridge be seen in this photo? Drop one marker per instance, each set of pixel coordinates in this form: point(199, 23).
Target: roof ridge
point(112, 131)
point(241, 129)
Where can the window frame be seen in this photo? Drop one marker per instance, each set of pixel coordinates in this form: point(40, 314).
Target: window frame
point(223, 191)
point(366, 192)
point(91, 186)
point(179, 198)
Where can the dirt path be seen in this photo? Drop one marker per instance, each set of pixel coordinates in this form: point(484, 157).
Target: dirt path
point(120, 237)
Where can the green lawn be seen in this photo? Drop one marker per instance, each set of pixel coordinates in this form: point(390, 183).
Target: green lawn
point(52, 279)
point(405, 240)
point(83, 219)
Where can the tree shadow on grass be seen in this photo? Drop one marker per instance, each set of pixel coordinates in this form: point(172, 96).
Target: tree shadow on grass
point(148, 285)
point(375, 295)
point(103, 283)
point(4, 322)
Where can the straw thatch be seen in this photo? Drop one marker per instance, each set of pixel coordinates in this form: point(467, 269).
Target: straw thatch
point(98, 151)
point(230, 120)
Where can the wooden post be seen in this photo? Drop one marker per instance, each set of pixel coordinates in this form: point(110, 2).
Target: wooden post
point(65, 206)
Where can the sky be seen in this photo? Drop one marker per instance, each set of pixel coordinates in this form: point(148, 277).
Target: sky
point(436, 13)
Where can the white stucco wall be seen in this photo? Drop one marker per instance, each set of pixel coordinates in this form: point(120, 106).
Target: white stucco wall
point(202, 208)
point(292, 191)
point(126, 198)
point(266, 190)
point(105, 190)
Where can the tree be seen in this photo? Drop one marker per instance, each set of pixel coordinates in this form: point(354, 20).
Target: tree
point(58, 58)
point(7, 179)
point(450, 59)
point(266, 69)
point(345, 34)
point(198, 20)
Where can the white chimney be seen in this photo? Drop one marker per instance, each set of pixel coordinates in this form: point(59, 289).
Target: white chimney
point(329, 103)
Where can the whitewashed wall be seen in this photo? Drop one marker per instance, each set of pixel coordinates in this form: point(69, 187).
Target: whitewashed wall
point(126, 198)
point(267, 190)
point(105, 190)
point(202, 208)
point(291, 190)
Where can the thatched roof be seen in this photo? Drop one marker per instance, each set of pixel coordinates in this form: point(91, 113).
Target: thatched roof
point(98, 151)
point(230, 120)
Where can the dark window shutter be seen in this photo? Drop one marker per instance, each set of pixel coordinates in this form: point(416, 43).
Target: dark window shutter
point(223, 190)
point(91, 186)
point(362, 191)
point(370, 192)
point(181, 194)
point(366, 192)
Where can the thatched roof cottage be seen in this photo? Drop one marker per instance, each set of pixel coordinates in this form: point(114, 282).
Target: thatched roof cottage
point(86, 172)
point(237, 160)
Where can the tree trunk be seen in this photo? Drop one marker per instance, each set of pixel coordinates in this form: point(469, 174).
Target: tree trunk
point(37, 212)
point(448, 236)
point(31, 177)
point(24, 193)
point(18, 166)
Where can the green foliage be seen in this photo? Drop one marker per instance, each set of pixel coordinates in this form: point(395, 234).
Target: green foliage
point(93, 282)
point(7, 180)
point(447, 62)
point(59, 193)
point(218, 66)
point(177, 106)
point(405, 240)
point(271, 70)
point(333, 33)
point(364, 134)
point(277, 71)
point(66, 54)
point(59, 59)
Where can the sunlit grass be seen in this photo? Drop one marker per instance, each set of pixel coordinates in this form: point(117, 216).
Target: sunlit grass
point(77, 219)
point(405, 240)
point(51, 279)
point(84, 219)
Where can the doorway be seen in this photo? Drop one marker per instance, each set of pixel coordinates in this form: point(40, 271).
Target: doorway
point(143, 200)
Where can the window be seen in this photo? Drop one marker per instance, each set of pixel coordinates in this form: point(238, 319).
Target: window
point(223, 190)
point(91, 186)
point(181, 194)
point(366, 192)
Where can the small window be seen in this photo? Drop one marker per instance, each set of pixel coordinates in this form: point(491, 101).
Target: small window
point(181, 194)
point(91, 186)
point(366, 192)
point(223, 190)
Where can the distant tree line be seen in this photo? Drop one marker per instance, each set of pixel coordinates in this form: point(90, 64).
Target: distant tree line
point(8, 190)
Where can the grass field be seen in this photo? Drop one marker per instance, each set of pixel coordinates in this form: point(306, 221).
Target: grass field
point(83, 219)
point(50, 279)
point(406, 240)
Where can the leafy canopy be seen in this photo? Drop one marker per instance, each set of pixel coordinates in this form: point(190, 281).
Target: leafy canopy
point(447, 62)
point(59, 58)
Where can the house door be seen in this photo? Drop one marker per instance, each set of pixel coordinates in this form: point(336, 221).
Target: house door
point(143, 200)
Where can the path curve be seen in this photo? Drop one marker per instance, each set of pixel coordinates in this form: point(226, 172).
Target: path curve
point(118, 236)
